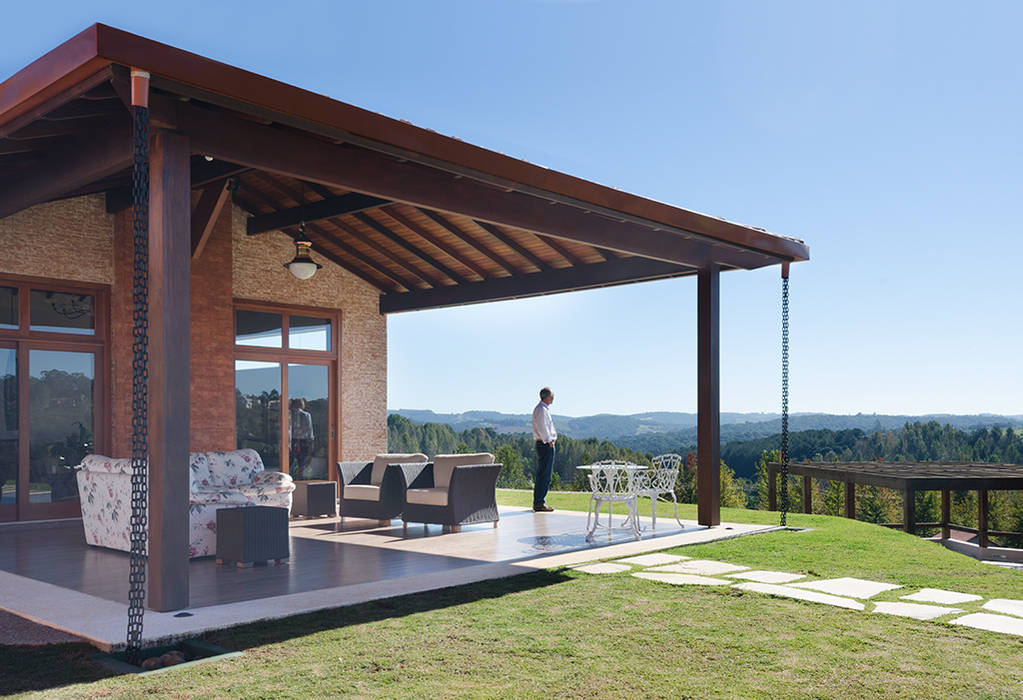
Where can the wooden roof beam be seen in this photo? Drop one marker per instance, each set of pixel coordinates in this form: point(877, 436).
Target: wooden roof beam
point(513, 244)
point(468, 240)
point(564, 252)
point(207, 211)
point(409, 273)
point(314, 211)
point(424, 233)
point(567, 279)
point(414, 249)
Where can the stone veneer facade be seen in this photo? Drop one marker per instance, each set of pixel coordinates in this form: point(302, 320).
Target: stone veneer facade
point(77, 240)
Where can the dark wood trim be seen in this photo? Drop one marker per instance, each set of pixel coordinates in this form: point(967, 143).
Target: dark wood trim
point(708, 383)
point(946, 506)
point(207, 210)
point(909, 510)
point(313, 211)
point(850, 499)
point(564, 280)
point(807, 495)
point(982, 516)
point(169, 394)
point(59, 99)
point(79, 162)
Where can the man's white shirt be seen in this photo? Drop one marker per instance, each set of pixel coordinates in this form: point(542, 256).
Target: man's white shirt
point(543, 424)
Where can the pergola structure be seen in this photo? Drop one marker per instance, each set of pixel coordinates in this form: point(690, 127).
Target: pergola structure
point(429, 220)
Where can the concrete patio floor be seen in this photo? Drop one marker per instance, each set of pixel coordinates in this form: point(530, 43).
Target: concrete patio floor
point(48, 574)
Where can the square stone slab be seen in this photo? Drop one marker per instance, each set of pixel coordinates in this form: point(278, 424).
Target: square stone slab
point(1009, 607)
point(936, 595)
point(604, 567)
point(766, 576)
point(800, 594)
point(852, 587)
point(914, 610)
point(683, 579)
point(991, 623)
point(704, 567)
point(654, 559)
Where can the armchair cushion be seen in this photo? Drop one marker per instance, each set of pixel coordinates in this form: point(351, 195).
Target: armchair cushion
point(99, 463)
point(212, 495)
point(444, 465)
point(234, 467)
point(362, 492)
point(381, 461)
point(427, 497)
point(199, 470)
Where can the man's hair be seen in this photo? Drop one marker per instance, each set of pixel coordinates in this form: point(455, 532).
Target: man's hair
point(545, 392)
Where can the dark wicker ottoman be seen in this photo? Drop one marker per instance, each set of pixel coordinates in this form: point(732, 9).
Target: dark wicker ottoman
point(314, 498)
point(252, 534)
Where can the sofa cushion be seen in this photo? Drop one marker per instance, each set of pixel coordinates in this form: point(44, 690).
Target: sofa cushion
point(427, 497)
point(99, 463)
point(211, 495)
point(234, 467)
point(444, 465)
point(362, 492)
point(381, 462)
point(199, 470)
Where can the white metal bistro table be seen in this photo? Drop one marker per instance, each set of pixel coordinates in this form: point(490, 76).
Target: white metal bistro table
point(611, 482)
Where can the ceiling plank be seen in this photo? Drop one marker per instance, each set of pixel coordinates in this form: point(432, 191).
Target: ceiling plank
point(314, 211)
point(564, 252)
point(314, 237)
point(321, 234)
point(414, 249)
point(469, 241)
point(78, 163)
point(407, 269)
point(514, 245)
point(567, 279)
point(302, 156)
point(207, 211)
point(428, 236)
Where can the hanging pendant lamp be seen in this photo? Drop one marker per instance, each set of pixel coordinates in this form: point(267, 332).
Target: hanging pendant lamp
point(302, 265)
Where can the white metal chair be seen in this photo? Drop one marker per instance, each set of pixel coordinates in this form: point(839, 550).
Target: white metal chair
point(612, 481)
point(660, 480)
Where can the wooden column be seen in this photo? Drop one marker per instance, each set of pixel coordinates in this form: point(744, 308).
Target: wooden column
point(170, 254)
point(708, 402)
point(909, 510)
point(850, 499)
point(807, 495)
point(982, 518)
point(772, 488)
point(946, 513)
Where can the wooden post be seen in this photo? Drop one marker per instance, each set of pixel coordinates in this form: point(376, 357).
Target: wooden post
point(772, 488)
point(850, 499)
point(170, 256)
point(807, 495)
point(708, 450)
point(909, 510)
point(946, 508)
point(982, 518)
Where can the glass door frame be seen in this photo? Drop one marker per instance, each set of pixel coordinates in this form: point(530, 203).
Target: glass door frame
point(285, 356)
point(24, 340)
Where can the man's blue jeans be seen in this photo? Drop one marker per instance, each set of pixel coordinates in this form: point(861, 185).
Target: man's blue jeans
point(544, 470)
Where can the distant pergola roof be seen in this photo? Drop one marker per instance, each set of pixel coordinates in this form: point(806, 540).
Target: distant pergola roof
point(429, 220)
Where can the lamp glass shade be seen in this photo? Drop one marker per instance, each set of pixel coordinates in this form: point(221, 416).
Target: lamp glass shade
point(302, 265)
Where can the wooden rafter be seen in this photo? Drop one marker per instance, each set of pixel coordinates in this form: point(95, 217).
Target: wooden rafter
point(410, 247)
point(424, 233)
point(314, 211)
point(560, 280)
point(408, 271)
point(468, 240)
point(564, 252)
point(207, 211)
point(500, 235)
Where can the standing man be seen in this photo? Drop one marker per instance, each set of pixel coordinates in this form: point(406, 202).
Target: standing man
point(545, 435)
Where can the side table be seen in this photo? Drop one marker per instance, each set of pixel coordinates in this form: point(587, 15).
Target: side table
point(252, 534)
point(314, 498)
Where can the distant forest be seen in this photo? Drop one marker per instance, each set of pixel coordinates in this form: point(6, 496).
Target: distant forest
point(743, 475)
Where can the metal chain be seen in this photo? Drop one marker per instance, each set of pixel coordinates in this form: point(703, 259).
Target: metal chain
point(784, 399)
point(140, 382)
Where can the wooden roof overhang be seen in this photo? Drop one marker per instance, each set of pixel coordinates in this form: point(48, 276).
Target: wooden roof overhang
point(429, 220)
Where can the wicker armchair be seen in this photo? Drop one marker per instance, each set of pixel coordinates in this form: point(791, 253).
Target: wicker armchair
point(452, 490)
point(371, 490)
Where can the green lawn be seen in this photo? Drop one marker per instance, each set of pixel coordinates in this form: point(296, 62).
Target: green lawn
point(565, 634)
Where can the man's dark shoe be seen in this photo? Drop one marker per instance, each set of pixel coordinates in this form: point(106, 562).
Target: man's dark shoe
point(543, 509)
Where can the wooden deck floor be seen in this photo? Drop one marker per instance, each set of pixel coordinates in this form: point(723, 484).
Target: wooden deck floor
point(323, 555)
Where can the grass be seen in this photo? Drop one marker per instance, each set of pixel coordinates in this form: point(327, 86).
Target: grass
point(563, 633)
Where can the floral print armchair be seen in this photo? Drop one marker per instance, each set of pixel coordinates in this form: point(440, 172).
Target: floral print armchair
point(217, 480)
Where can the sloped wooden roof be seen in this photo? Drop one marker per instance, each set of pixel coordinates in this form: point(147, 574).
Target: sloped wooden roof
point(428, 219)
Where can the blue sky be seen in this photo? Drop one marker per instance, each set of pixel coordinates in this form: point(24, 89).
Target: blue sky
point(885, 134)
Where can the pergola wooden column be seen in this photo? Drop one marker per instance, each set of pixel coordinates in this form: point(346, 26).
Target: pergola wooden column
point(429, 220)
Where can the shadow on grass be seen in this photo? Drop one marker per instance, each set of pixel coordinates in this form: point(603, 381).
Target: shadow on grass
point(30, 668)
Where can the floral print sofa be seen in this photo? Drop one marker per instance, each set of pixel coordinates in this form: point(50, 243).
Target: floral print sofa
point(217, 480)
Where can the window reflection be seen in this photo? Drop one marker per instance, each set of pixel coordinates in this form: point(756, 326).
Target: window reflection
point(8, 426)
point(308, 333)
point(8, 307)
point(258, 328)
point(308, 421)
point(258, 409)
point(62, 312)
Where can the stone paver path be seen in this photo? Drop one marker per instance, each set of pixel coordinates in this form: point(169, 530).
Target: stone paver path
point(852, 587)
point(683, 579)
point(917, 611)
point(655, 559)
point(603, 567)
point(1001, 605)
point(936, 595)
point(801, 594)
point(705, 567)
point(991, 623)
point(767, 576)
